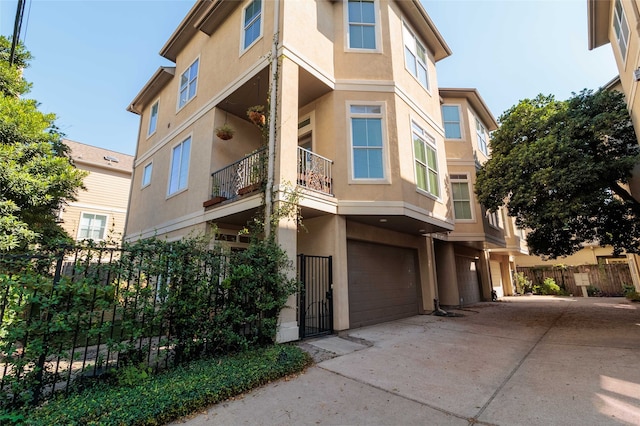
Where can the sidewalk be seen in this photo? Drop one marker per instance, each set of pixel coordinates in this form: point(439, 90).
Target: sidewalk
point(526, 360)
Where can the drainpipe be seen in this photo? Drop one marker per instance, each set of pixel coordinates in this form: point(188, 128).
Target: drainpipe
point(273, 98)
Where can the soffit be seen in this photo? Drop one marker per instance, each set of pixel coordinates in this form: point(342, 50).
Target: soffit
point(159, 79)
point(598, 18)
point(421, 22)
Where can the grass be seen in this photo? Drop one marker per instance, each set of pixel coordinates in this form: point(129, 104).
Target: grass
point(156, 400)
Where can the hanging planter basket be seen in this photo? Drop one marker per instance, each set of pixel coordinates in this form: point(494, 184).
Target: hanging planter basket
point(256, 115)
point(225, 132)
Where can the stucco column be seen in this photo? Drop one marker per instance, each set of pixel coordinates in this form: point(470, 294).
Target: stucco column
point(448, 293)
point(428, 278)
point(340, 275)
point(485, 277)
point(285, 164)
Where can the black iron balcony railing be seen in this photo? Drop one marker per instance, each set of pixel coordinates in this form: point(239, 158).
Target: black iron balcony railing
point(314, 171)
point(250, 173)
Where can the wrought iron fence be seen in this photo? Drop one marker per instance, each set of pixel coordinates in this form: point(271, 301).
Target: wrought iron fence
point(314, 171)
point(84, 312)
point(243, 176)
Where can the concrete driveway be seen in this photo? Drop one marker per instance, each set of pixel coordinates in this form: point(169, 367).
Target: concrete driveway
point(528, 360)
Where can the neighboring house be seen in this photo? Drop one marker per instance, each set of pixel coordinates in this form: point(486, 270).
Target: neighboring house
point(358, 130)
point(99, 213)
point(482, 246)
point(618, 22)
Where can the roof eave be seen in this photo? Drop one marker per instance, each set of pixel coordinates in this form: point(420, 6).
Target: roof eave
point(433, 38)
point(598, 21)
point(475, 100)
point(159, 79)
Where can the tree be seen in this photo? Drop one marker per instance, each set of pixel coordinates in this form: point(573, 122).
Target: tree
point(36, 173)
point(560, 168)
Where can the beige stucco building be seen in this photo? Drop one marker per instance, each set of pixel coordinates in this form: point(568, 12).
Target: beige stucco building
point(617, 22)
point(355, 124)
point(100, 211)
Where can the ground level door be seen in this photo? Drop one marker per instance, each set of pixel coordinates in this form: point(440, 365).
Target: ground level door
point(468, 283)
point(383, 283)
point(315, 301)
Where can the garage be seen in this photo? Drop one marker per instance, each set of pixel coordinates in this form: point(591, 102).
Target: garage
point(383, 283)
point(467, 275)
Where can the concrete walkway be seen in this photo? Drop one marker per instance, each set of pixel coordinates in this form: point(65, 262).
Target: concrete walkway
point(525, 360)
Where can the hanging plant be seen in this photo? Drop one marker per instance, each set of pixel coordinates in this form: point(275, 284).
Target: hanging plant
point(256, 115)
point(225, 132)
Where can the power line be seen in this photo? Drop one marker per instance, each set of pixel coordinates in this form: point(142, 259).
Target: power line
point(17, 26)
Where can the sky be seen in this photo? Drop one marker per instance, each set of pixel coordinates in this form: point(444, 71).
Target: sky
point(92, 57)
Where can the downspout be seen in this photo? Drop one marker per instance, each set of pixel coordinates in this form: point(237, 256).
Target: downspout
point(273, 98)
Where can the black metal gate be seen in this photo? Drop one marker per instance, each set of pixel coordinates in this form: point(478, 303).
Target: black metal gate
point(315, 302)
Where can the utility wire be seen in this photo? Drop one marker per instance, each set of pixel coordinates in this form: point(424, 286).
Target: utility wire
point(17, 26)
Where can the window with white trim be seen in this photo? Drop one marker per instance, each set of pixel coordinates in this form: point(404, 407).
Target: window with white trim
point(361, 16)
point(92, 226)
point(461, 196)
point(153, 118)
point(426, 161)
point(451, 121)
point(621, 28)
point(146, 174)
point(179, 166)
point(367, 141)
point(188, 84)
point(252, 23)
point(495, 219)
point(415, 56)
point(482, 137)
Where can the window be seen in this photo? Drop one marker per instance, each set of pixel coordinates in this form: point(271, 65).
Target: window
point(366, 141)
point(426, 159)
point(451, 121)
point(461, 197)
point(495, 219)
point(153, 119)
point(482, 137)
point(252, 24)
point(146, 174)
point(179, 167)
point(92, 226)
point(188, 84)
point(362, 24)
point(415, 57)
point(621, 28)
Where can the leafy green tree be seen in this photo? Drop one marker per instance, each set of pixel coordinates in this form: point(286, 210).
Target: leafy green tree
point(36, 173)
point(560, 168)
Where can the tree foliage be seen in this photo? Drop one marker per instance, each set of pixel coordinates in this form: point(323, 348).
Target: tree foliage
point(36, 174)
point(560, 167)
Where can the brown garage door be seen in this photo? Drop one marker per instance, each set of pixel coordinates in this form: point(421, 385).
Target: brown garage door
point(467, 275)
point(383, 282)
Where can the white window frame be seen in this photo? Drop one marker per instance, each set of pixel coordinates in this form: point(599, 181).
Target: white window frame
point(90, 229)
point(191, 81)
point(182, 184)
point(481, 131)
point(428, 143)
point(153, 118)
point(384, 149)
point(495, 219)
point(146, 182)
point(413, 44)
point(620, 26)
point(243, 27)
point(376, 25)
point(462, 178)
point(444, 123)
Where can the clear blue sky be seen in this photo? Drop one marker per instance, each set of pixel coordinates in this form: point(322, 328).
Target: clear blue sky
point(91, 57)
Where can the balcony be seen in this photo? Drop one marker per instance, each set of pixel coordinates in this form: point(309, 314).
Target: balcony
point(250, 174)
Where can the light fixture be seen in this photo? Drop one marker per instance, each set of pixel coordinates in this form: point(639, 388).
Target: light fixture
point(383, 220)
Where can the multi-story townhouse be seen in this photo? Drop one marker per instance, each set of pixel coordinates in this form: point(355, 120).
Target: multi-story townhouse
point(482, 246)
point(618, 22)
point(100, 210)
point(353, 121)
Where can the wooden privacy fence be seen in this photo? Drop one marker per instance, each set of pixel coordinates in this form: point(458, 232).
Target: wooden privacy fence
point(609, 279)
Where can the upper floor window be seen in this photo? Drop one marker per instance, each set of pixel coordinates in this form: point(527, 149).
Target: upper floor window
point(482, 137)
point(146, 174)
point(362, 24)
point(179, 166)
point(153, 119)
point(495, 219)
point(451, 121)
point(426, 161)
point(92, 226)
point(415, 57)
point(252, 24)
point(188, 84)
point(461, 197)
point(621, 28)
point(367, 142)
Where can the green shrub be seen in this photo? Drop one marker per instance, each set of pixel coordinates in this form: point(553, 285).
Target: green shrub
point(167, 396)
point(523, 284)
point(593, 291)
point(549, 286)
